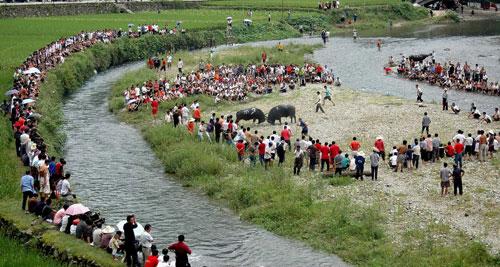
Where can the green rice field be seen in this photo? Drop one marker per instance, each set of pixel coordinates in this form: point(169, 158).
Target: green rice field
point(295, 3)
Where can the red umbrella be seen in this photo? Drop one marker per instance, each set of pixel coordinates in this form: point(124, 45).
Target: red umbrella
point(77, 209)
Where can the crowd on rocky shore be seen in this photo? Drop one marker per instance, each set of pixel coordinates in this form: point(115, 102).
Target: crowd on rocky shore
point(450, 75)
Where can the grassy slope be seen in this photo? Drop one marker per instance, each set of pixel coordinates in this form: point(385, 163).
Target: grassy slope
point(280, 203)
point(14, 254)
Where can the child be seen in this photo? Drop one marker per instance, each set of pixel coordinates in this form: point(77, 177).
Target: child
point(393, 161)
point(115, 244)
point(72, 228)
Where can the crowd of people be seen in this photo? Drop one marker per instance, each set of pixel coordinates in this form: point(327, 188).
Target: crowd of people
point(225, 82)
point(255, 147)
point(45, 186)
point(450, 75)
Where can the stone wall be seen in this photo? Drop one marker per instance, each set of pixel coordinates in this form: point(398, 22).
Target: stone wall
point(68, 9)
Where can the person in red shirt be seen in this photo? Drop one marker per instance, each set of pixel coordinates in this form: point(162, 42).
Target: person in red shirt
point(379, 145)
point(450, 151)
point(152, 261)
point(355, 145)
point(190, 126)
point(285, 133)
point(59, 170)
point(197, 114)
point(181, 252)
point(334, 151)
point(325, 157)
point(154, 108)
point(262, 151)
point(264, 56)
point(240, 149)
point(459, 150)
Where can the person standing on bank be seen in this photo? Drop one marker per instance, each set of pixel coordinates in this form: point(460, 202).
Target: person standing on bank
point(27, 188)
point(146, 242)
point(318, 103)
point(181, 250)
point(457, 174)
point(374, 159)
point(131, 253)
point(445, 99)
point(426, 122)
point(419, 94)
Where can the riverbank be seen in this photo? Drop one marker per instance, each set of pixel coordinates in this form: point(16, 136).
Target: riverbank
point(60, 83)
point(365, 223)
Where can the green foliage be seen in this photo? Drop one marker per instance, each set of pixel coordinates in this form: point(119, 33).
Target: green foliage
point(313, 23)
point(341, 181)
point(15, 254)
point(291, 4)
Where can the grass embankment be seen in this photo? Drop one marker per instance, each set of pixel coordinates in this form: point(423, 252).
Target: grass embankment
point(289, 206)
point(14, 254)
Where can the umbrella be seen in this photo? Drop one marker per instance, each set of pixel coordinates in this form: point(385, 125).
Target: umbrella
point(27, 101)
point(35, 115)
point(137, 231)
point(11, 92)
point(77, 209)
point(31, 70)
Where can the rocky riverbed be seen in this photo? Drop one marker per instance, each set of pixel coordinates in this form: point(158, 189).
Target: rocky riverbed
point(411, 199)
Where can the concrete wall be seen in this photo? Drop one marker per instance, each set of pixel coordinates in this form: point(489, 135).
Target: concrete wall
point(75, 8)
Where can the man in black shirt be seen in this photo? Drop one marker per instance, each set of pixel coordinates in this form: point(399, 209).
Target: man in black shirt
point(457, 179)
point(131, 253)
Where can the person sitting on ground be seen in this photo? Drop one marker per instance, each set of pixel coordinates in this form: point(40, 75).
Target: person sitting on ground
point(496, 115)
point(485, 118)
point(455, 108)
point(393, 161)
point(115, 244)
point(475, 113)
point(450, 151)
point(60, 214)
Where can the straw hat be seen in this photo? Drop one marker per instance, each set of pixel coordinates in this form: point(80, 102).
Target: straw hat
point(361, 153)
point(191, 120)
point(108, 229)
point(380, 137)
point(375, 149)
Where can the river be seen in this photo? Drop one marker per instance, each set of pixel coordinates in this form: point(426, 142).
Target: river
point(115, 171)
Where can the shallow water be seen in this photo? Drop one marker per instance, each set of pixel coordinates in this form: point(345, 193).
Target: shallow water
point(115, 171)
point(360, 66)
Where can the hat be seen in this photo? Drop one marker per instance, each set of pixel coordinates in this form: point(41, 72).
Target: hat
point(491, 132)
point(108, 229)
point(361, 153)
point(380, 137)
point(191, 120)
point(33, 146)
point(375, 149)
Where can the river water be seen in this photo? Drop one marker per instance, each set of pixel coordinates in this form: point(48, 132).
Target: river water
point(115, 171)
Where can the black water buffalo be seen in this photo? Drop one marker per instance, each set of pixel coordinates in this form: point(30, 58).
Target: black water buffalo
point(280, 111)
point(250, 114)
point(419, 57)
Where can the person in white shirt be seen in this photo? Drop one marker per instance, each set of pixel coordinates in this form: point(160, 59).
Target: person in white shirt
point(64, 186)
point(469, 149)
point(180, 65)
point(460, 136)
point(393, 160)
point(146, 242)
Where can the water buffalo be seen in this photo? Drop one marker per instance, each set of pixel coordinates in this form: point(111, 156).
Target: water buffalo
point(280, 111)
point(419, 57)
point(250, 114)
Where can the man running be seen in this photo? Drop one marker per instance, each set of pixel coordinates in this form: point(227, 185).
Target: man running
point(328, 95)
